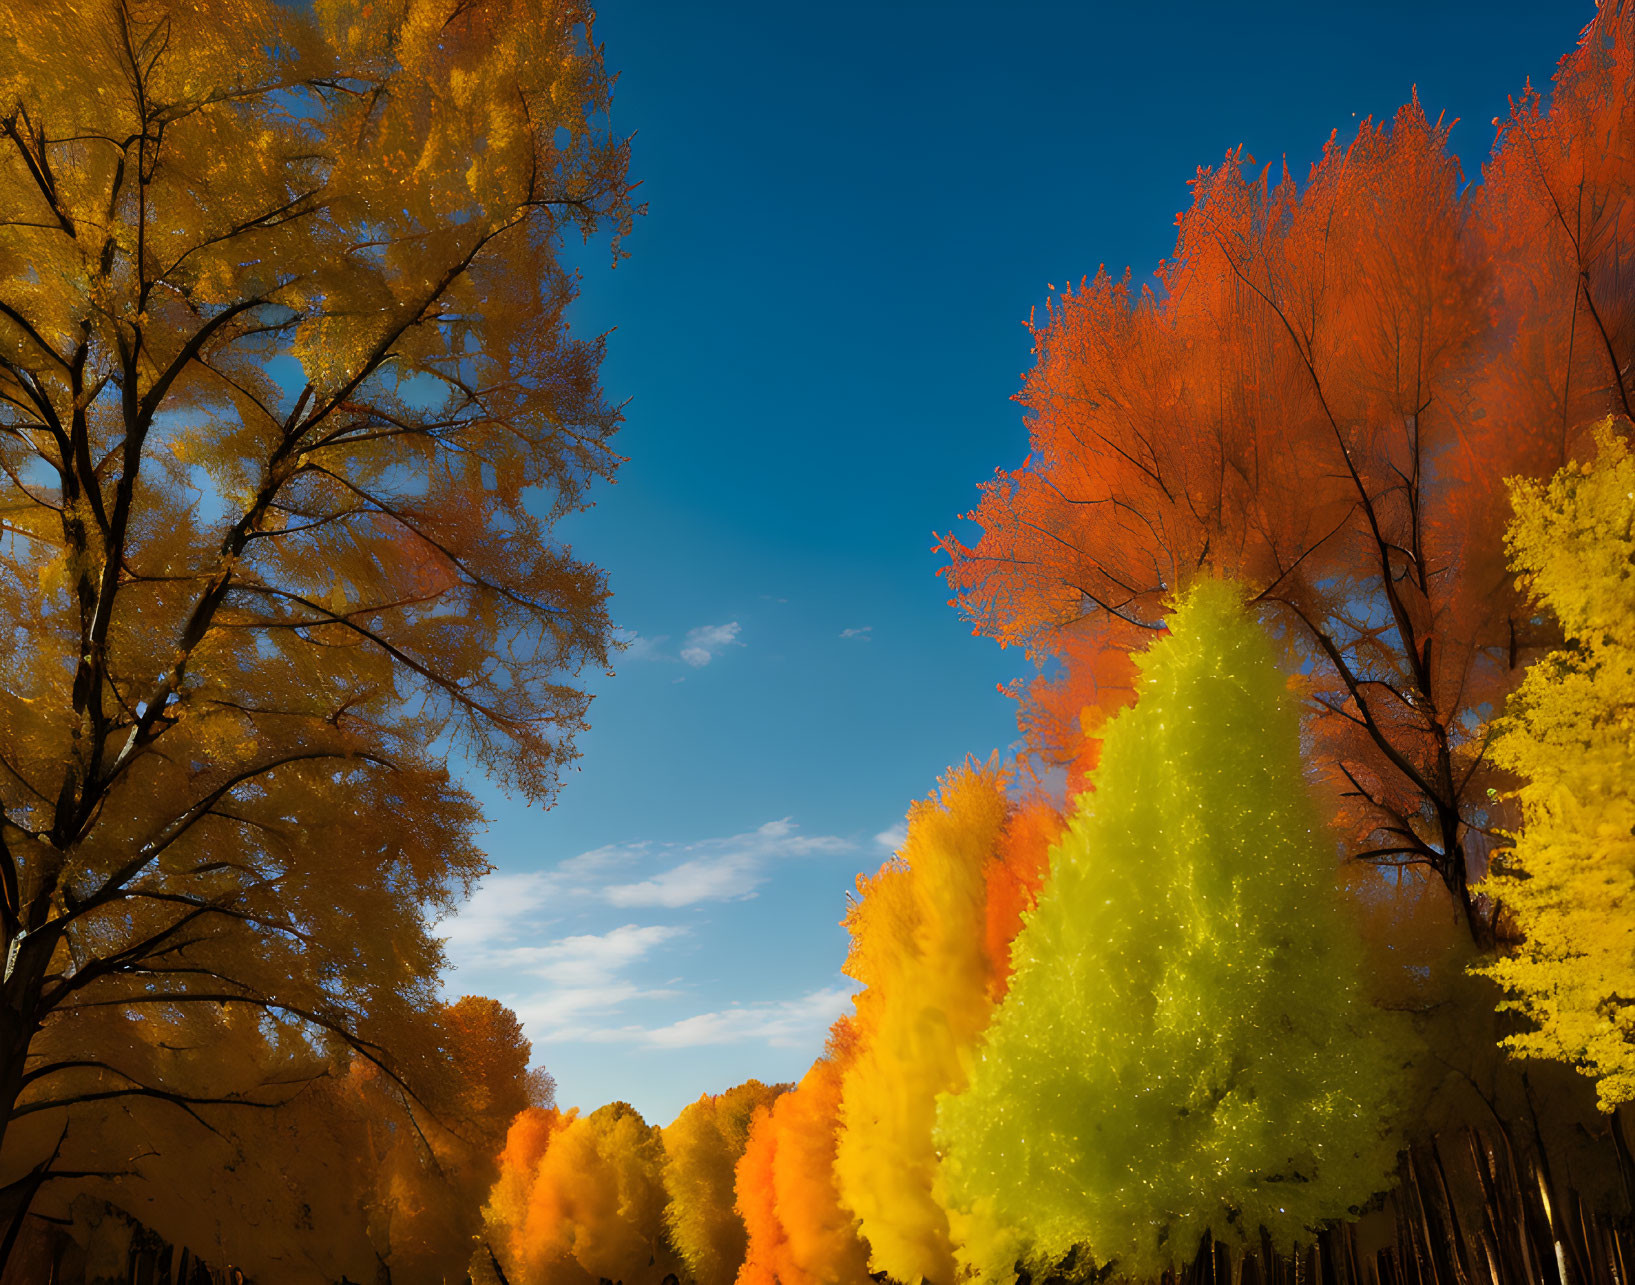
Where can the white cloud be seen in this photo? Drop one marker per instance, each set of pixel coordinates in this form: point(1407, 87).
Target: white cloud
point(493, 911)
point(586, 976)
point(591, 959)
point(894, 838)
point(599, 861)
point(788, 1023)
point(506, 907)
point(725, 878)
point(698, 648)
point(553, 1013)
point(858, 631)
point(707, 642)
point(541, 943)
point(722, 869)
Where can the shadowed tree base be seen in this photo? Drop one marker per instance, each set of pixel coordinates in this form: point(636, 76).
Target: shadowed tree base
point(1471, 1208)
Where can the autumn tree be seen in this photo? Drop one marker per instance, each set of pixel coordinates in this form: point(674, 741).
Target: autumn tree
point(348, 1178)
point(595, 1205)
point(1322, 395)
point(799, 1232)
point(506, 1213)
point(702, 1147)
point(1569, 734)
point(1013, 881)
point(258, 1210)
point(1085, 677)
point(424, 1176)
point(1184, 1046)
point(930, 955)
point(289, 409)
point(1552, 215)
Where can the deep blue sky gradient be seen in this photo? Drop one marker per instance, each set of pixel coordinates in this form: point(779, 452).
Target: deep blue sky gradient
point(852, 210)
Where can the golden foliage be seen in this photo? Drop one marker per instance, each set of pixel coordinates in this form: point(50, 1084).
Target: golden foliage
point(702, 1147)
point(918, 936)
point(526, 1142)
point(288, 406)
point(596, 1207)
point(338, 1174)
point(1569, 733)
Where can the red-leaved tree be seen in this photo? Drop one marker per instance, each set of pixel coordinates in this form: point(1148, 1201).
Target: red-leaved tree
point(1322, 395)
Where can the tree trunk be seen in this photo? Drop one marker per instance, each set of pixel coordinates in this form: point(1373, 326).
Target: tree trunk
point(26, 959)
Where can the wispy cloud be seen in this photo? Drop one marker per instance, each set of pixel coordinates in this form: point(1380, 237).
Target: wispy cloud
point(507, 908)
point(722, 869)
point(592, 959)
point(586, 975)
point(701, 645)
point(787, 1023)
point(541, 942)
point(893, 838)
point(707, 642)
point(501, 902)
point(858, 631)
point(598, 862)
point(570, 1012)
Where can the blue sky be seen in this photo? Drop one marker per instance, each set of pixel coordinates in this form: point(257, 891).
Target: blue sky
point(852, 210)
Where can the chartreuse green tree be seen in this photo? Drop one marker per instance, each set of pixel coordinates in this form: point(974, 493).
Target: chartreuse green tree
point(288, 408)
point(1569, 734)
point(702, 1147)
point(1184, 1046)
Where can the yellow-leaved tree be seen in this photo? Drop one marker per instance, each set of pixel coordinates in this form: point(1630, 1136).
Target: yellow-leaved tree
point(288, 407)
point(505, 1216)
point(702, 1147)
point(921, 948)
point(1569, 733)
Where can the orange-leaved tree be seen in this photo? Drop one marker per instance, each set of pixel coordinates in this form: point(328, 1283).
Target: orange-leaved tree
point(288, 407)
point(799, 1233)
point(1322, 397)
point(595, 1206)
point(505, 1216)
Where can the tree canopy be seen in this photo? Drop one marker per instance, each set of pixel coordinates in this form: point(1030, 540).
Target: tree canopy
point(929, 944)
point(1323, 396)
point(1185, 1045)
point(702, 1147)
point(288, 407)
point(799, 1232)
